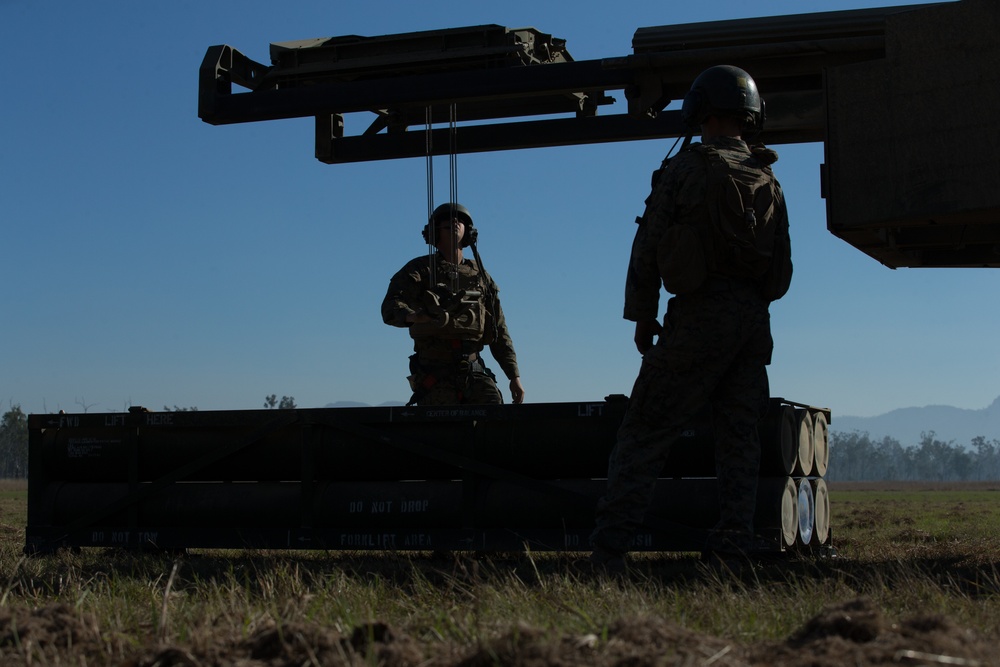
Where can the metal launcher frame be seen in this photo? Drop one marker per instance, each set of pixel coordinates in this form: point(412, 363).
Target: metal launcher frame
point(894, 93)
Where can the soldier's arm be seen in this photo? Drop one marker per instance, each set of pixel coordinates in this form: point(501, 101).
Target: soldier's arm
point(642, 283)
point(781, 211)
point(780, 275)
point(401, 305)
point(502, 347)
point(676, 198)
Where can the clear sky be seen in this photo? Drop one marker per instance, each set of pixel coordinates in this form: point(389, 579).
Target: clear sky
point(152, 259)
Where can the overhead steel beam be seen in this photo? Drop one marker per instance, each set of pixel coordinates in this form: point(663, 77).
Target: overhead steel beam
point(800, 121)
point(894, 115)
point(388, 76)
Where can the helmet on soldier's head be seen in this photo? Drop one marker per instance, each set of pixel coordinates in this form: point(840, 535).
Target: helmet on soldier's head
point(449, 212)
point(727, 90)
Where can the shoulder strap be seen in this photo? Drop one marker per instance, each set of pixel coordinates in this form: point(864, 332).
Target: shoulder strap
point(489, 287)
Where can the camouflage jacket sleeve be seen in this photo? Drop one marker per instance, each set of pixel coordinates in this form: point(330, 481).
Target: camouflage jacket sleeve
point(677, 197)
point(502, 347)
point(781, 213)
point(405, 291)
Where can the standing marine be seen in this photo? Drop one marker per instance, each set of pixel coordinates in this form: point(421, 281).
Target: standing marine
point(715, 234)
point(451, 307)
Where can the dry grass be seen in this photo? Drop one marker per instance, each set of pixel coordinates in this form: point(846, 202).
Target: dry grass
point(917, 571)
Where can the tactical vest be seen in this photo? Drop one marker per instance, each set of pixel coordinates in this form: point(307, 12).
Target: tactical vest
point(742, 242)
point(457, 313)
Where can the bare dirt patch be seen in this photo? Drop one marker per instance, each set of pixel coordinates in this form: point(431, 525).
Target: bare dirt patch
point(852, 633)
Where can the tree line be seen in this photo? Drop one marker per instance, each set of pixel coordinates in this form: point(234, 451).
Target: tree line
point(856, 457)
point(14, 443)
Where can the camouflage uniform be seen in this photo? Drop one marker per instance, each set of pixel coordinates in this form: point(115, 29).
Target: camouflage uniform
point(447, 367)
point(714, 349)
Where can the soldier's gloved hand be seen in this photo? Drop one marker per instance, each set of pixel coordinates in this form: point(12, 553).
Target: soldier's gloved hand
point(516, 391)
point(434, 309)
point(645, 330)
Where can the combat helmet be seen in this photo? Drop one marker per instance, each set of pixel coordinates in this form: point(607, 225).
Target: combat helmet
point(724, 89)
point(447, 212)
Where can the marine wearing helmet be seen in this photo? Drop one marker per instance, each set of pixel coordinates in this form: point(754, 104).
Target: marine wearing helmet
point(728, 91)
point(450, 306)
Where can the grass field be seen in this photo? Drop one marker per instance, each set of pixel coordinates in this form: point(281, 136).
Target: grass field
point(916, 582)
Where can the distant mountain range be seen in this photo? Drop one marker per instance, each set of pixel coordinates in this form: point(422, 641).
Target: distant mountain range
point(906, 424)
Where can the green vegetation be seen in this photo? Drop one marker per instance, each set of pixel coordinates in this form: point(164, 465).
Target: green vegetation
point(13, 443)
point(946, 523)
point(856, 457)
point(913, 552)
point(286, 403)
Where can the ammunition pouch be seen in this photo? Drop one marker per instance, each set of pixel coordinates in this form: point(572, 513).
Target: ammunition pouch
point(459, 314)
point(681, 259)
point(422, 377)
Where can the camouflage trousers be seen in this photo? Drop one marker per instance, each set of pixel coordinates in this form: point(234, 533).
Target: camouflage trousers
point(462, 383)
point(714, 350)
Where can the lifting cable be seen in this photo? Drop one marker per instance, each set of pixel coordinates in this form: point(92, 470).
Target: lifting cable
point(453, 200)
point(452, 181)
point(453, 176)
point(429, 160)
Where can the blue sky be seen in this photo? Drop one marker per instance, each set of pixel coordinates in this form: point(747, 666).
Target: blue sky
point(152, 259)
